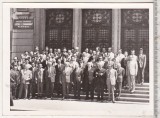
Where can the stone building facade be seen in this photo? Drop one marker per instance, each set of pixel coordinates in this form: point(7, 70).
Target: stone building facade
point(57, 28)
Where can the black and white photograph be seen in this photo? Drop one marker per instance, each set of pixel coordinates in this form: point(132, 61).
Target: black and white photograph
point(78, 59)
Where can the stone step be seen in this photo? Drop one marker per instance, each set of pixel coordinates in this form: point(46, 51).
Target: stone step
point(142, 88)
point(135, 95)
point(126, 99)
point(122, 95)
point(144, 85)
point(129, 99)
point(137, 92)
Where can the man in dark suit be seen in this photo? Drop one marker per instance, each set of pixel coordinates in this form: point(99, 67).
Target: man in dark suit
point(99, 75)
point(59, 74)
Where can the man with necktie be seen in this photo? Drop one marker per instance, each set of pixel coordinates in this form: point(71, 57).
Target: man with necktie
point(141, 66)
point(111, 76)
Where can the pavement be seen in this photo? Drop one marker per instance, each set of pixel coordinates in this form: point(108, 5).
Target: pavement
point(83, 107)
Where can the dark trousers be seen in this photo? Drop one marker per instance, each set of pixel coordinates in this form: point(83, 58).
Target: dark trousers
point(124, 82)
point(27, 91)
point(52, 88)
point(34, 89)
point(140, 75)
point(21, 89)
point(15, 91)
point(90, 89)
point(100, 89)
point(11, 97)
point(77, 89)
point(58, 88)
point(48, 87)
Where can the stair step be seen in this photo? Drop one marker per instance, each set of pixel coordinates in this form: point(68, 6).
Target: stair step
point(133, 99)
point(135, 95)
point(142, 88)
point(144, 85)
point(137, 91)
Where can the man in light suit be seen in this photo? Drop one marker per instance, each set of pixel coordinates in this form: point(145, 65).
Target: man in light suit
point(77, 80)
point(132, 69)
point(66, 80)
point(111, 77)
point(26, 76)
point(141, 66)
point(49, 74)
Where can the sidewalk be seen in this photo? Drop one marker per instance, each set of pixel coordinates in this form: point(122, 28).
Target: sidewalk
point(67, 107)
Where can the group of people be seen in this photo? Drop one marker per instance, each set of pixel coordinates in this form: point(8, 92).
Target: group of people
point(57, 73)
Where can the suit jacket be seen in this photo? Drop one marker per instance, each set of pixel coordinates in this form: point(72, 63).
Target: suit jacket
point(134, 57)
point(100, 75)
point(66, 75)
point(39, 75)
point(59, 72)
point(124, 63)
point(132, 68)
point(142, 61)
point(52, 73)
point(90, 74)
point(120, 74)
point(77, 75)
point(110, 55)
point(111, 76)
point(14, 75)
point(26, 76)
point(106, 64)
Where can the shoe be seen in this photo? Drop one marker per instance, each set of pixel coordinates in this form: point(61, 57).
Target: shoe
point(87, 98)
point(132, 92)
point(102, 100)
point(113, 101)
point(98, 99)
point(63, 98)
point(108, 99)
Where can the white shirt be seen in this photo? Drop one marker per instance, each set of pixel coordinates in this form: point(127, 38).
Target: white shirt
point(119, 57)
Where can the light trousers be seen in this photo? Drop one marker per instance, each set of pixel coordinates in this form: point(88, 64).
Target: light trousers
point(131, 82)
point(40, 87)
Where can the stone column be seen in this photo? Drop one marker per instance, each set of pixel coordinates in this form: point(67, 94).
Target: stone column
point(77, 19)
point(37, 27)
point(116, 29)
point(40, 28)
point(43, 27)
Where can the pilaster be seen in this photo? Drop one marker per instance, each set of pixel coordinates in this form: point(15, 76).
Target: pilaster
point(116, 29)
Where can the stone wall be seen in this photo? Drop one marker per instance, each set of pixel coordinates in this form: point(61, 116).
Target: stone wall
point(25, 40)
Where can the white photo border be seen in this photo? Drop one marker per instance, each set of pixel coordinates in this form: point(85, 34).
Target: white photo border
point(6, 53)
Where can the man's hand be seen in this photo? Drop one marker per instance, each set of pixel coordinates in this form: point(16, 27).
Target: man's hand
point(60, 82)
point(72, 83)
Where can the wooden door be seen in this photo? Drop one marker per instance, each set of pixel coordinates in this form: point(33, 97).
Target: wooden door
point(96, 28)
point(59, 24)
point(135, 32)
